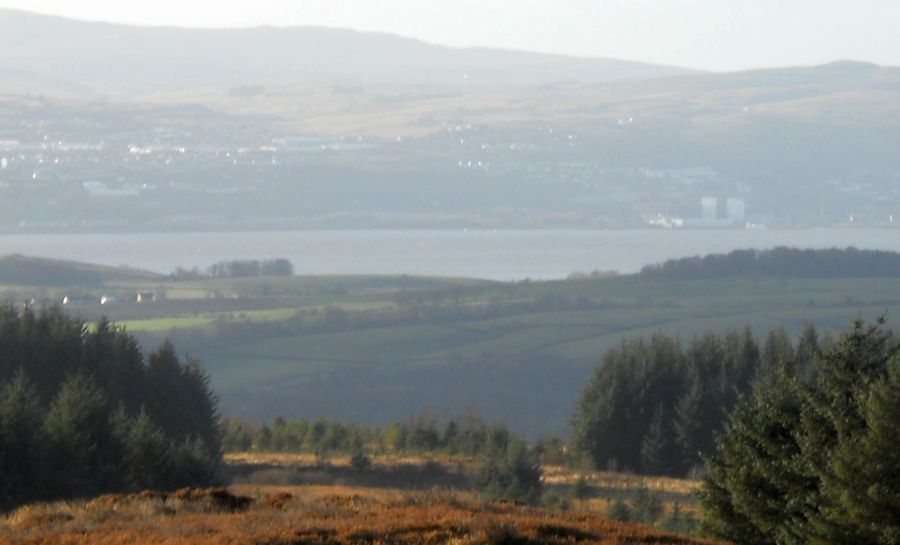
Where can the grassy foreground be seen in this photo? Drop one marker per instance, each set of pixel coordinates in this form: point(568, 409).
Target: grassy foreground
point(332, 515)
point(301, 499)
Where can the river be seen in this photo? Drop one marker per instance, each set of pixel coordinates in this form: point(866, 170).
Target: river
point(495, 255)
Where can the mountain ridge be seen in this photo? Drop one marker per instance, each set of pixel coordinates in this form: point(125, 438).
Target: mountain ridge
point(104, 54)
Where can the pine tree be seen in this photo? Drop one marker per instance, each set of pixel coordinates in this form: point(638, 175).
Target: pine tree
point(146, 456)
point(807, 353)
point(80, 454)
point(722, 517)
point(814, 464)
point(513, 475)
point(619, 510)
point(20, 440)
point(747, 495)
point(693, 434)
point(863, 485)
point(777, 350)
point(181, 401)
point(657, 449)
point(834, 418)
point(647, 506)
point(192, 464)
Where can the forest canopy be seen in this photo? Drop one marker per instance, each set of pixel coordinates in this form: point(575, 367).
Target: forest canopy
point(85, 411)
point(805, 461)
point(655, 404)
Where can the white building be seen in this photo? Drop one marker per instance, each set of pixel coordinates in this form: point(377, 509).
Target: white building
point(709, 208)
point(735, 210)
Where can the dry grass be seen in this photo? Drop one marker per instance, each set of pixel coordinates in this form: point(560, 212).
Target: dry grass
point(312, 516)
point(618, 481)
point(305, 469)
point(300, 460)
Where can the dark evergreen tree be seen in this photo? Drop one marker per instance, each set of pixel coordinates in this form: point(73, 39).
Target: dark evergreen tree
point(691, 425)
point(182, 402)
point(813, 463)
point(778, 349)
point(146, 455)
point(59, 436)
point(619, 510)
point(513, 475)
point(20, 440)
point(192, 464)
point(80, 454)
point(834, 415)
point(863, 486)
point(657, 448)
point(646, 506)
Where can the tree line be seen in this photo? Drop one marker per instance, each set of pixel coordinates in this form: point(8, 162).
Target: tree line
point(85, 411)
point(655, 404)
point(779, 262)
point(237, 268)
point(466, 435)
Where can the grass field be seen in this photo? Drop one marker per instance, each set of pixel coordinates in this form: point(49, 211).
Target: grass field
point(192, 321)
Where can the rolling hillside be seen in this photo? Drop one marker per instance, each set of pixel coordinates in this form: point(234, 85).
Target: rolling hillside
point(376, 349)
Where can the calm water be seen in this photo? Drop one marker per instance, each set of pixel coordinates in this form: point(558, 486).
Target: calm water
point(498, 255)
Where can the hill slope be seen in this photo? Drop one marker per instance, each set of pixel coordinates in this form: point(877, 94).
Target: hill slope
point(35, 271)
point(105, 56)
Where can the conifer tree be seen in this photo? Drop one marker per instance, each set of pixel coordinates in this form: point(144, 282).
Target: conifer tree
point(815, 463)
point(20, 440)
point(619, 510)
point(777, 349)
point(80, 458)
point(691, 426)
point(863, 486)
point(834, 416)
point(657, 448)
point(146, 456)
point(58, 435)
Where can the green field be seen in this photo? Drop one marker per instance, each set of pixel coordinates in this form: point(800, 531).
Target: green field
point(168, 323)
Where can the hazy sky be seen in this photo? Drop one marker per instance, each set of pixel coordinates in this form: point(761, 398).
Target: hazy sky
point(710, 34)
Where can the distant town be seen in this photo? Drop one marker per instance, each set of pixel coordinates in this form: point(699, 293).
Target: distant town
point(86, 169)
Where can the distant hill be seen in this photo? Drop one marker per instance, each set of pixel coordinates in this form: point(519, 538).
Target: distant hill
point(391, 132)
point(110, 57)
point(34, 271)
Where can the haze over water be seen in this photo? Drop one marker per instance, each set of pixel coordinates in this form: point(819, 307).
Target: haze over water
point(495, 255)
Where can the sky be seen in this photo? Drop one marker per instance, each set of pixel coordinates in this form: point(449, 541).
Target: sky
point(720, 35)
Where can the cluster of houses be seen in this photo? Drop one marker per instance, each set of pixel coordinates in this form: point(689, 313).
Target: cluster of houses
point(139, 297)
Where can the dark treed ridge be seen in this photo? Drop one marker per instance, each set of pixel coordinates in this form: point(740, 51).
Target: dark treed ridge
point(781, 262)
